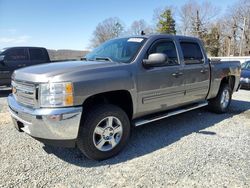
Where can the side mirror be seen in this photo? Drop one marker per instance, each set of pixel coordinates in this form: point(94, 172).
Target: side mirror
point(155, 60)
point(2, 59)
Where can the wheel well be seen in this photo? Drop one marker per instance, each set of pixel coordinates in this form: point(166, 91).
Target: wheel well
point(121, 98)
point(230, 80)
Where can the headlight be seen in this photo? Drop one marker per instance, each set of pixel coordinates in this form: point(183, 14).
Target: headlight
point(56, 94)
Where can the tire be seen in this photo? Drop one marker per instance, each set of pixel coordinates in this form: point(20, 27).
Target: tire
point(221, 102)
point(104, 132)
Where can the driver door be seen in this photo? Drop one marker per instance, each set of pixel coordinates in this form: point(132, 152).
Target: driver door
point(161, 88)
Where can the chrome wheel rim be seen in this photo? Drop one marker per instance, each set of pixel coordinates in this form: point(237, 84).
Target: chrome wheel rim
point(225, 98)
point(108, 133)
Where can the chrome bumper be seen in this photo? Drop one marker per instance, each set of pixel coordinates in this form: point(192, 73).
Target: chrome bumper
point(46, 123)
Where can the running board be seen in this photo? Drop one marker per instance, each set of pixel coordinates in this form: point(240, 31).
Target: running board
point(168, 114)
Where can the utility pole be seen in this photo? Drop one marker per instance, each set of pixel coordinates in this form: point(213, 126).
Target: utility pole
point(242, 36)
point(198, 25)
point(234, 38)
point(229, 46)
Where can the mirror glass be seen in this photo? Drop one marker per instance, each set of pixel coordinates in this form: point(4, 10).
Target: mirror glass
point(156, 59)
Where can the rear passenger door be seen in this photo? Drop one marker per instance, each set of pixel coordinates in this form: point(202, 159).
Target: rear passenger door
point(38, 56)
point(196, 71)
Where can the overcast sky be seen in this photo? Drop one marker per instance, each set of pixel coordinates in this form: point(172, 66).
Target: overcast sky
point(65, 24)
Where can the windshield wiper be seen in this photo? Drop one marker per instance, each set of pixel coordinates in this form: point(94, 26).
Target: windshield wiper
point(97, 59)
point(85, 59)
point(103, 59)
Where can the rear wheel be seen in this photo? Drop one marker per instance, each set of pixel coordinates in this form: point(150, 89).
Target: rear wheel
point(104, 132)
point(221, 102)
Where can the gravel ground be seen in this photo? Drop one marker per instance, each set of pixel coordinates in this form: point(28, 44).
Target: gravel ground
point(195, 149)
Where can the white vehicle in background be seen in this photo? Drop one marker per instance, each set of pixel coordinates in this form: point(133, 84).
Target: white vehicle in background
point(242, 59)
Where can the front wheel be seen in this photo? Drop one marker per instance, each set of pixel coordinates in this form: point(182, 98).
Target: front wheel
point(221, 102)
point(104, 132)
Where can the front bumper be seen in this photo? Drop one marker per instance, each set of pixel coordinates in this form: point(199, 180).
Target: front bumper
point(245, 85)
point(49, 125)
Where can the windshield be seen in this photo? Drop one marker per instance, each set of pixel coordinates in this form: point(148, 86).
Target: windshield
point(118, 50)
point(246, 65)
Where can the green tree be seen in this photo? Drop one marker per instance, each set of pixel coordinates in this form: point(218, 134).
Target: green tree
point(212, 41)
point(166, 23)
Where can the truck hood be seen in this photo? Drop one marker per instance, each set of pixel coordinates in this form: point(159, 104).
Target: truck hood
point(45, 72)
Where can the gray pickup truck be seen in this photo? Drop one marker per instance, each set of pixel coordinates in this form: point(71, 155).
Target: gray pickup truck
point(126, 82)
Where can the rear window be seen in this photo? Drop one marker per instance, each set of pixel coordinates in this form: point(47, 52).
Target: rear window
point(191, 52)
point(16, 55)
point(37, 54)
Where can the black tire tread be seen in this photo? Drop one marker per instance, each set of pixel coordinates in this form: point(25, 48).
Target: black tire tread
point(214, 104)
point(93, 115)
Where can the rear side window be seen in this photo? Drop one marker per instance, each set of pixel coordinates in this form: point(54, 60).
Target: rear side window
point(16, 55)
point(168, 48)
point(192, 53)
point(37, 54)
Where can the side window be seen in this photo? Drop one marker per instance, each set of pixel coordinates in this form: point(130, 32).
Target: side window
point(245, 65)
point(168, 48)
point(192, 53)
point(16, 55)
point(248, 65)
point(37, 54)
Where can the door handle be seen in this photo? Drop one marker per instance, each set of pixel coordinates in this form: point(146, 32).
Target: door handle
point(204, 71)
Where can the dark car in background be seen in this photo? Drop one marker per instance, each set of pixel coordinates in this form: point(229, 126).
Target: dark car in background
point(245, 75)
point(18, 57)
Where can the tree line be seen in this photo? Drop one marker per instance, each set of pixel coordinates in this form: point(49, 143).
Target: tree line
point(226, 35)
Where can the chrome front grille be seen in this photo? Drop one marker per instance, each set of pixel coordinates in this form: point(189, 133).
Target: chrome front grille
point(25, 93)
